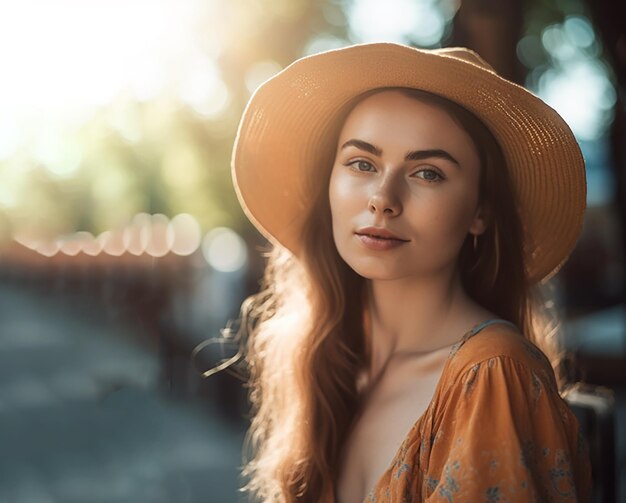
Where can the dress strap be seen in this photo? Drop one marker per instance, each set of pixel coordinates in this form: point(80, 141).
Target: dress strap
point(477, 328)
point(486, 323)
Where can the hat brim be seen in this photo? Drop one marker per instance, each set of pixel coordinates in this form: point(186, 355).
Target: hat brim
point(284, 123)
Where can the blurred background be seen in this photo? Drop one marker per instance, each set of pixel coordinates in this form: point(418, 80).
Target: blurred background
point(123, 251)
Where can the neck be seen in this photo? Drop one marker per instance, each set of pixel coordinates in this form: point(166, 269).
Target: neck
point(418, 316)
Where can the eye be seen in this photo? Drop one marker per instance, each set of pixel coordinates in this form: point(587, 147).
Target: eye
point(361, 165)
point(430, 175)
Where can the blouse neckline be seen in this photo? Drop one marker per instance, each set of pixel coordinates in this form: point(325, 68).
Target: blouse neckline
point(455, 348)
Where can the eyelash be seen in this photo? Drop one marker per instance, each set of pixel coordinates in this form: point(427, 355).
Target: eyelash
point(439, 179)
point(353, 163)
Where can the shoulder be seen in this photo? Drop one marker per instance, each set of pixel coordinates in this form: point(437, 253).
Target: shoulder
point(500, 427)
point(500, 343)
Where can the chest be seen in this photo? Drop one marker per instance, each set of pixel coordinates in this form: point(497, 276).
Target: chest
point(383, 425)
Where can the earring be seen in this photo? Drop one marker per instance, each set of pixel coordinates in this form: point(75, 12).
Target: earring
point(475, 238)
point(497, 253)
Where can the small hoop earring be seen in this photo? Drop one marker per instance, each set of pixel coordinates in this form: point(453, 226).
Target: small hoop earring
point(497, 252)
point(475, 238)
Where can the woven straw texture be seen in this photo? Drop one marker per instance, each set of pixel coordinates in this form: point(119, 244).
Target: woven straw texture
point(282, 131)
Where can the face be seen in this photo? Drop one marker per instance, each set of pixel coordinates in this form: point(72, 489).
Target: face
point(404, 168)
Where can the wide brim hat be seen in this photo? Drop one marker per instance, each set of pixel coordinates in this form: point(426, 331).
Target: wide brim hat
point(285, 126)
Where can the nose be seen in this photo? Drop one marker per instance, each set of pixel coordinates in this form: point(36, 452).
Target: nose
point(385, 199)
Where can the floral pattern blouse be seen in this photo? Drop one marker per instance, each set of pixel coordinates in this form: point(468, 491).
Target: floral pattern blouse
point(496, 430)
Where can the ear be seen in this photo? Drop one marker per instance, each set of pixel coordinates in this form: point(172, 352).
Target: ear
point(479, 222)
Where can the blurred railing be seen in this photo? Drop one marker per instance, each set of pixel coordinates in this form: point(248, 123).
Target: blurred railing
point(181, 287)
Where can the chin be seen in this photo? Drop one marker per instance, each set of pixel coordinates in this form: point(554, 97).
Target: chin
point(374, 268)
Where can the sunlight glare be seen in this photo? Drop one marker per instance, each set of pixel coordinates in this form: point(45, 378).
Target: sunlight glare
point(582, 94)
point(402, 21)
point(9, 138)
point(259, 72)
point(63, 59)
point(324, 42)
point(60, 157)
point(203, 88)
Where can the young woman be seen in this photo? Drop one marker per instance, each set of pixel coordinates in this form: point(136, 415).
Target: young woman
point(414, 200)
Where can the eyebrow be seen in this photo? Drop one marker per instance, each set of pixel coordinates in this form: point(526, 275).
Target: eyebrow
point(363, 145)
point(414, 155)
point(418, 155)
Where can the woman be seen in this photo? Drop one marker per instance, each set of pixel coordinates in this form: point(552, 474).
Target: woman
point(414, 200)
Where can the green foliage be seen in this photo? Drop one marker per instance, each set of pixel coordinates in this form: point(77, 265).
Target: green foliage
point(162, 155)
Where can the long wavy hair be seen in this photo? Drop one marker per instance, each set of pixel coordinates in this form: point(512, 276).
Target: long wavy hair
point(305, 334)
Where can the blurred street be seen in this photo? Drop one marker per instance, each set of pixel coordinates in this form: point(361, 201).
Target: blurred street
point(82, 419)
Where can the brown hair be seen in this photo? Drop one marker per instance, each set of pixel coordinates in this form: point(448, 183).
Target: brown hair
point(307, 339)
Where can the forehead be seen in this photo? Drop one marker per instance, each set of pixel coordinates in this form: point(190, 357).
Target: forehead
point(397, 119)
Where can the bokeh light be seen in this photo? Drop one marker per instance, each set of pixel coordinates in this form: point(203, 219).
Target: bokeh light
point(224, 250)
point(133, 237)
point(49, 249)
point(324, 42)
point(422, 22)
point(184, 234)
point(112, 242)
point(569, 76)
point(259, 72)
point(583, 94)
point(156, 236)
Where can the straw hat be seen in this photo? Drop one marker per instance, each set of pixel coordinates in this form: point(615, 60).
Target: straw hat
point(285, 124)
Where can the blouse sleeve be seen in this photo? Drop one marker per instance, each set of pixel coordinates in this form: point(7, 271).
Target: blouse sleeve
point(506, 435)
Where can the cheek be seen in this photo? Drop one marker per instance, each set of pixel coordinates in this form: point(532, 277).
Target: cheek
point(340, 194)
point(333, 197)
point(459, 209)
point(338, 213)
point(450, 216)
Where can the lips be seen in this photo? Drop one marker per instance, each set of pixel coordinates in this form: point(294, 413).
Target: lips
point(379, 233)
point(379, 239)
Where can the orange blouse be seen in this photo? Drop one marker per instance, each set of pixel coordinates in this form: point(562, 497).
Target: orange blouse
point(496, 430)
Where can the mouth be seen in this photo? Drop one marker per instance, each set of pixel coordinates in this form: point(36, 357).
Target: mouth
point(378, 243)
point(382, 238)
point(379, 233)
